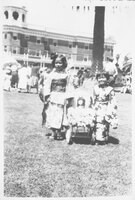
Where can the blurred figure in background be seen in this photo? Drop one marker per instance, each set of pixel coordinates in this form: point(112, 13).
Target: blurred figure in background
point(23, 76)
point(7, 79)
point(14, 79)
point(34, 77)
point(44, 89)
point(80, 76)
point(111, 69)
point(28, 78)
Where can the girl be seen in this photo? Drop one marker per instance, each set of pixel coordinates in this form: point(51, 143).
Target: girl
point(105, 107)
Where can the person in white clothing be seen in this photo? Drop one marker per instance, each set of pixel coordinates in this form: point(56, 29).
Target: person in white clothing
point(105, 106)
point(7, 79)
point(111, 69)
point(23, 75)
point(28, 78)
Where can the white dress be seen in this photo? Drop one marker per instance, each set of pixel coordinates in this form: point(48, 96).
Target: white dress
point(105, 110)
point(7, 80)
point(23, 78)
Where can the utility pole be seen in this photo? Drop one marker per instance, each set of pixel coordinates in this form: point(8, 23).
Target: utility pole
point(98, 39)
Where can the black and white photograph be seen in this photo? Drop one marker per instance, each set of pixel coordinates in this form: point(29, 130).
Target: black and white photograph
point(67, 98)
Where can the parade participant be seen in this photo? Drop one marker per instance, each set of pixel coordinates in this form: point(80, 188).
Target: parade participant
point(127, 75)
point(14, 79)
point(54, 86)
point(44, 90)
point(23, 75)
point(34, 77)
point(127, 84)
point(80, 76)
point(105, 106)
point(7, 78)
point(76, 81)
point(28, 78)
point(73, 80)
point(57, 106)
point(111, 69)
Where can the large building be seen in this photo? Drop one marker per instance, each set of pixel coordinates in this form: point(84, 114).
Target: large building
point(34, 45)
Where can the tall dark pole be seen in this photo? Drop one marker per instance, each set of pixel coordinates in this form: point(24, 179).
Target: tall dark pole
point(98, 38)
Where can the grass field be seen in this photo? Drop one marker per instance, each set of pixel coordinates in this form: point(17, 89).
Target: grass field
point(35, 166)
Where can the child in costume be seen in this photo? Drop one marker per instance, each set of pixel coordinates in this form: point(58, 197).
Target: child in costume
point(105, 107)
point(53, 94)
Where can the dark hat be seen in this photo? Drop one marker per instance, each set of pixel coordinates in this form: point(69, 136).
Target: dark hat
point(101, 74)
point(24, 65)
point(54, 56)
point(110, 58)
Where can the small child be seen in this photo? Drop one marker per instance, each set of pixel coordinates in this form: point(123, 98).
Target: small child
point(105, 106)
point(127, 82)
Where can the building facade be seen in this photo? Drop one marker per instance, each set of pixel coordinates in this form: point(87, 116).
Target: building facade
point(35, 45)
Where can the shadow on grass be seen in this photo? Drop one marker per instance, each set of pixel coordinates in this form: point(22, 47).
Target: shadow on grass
point(81, 141)
point(111, 140)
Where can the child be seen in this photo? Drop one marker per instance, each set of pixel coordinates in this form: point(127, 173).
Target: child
point(105, 107)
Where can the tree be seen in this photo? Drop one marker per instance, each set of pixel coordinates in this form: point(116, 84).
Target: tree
point(98, 38)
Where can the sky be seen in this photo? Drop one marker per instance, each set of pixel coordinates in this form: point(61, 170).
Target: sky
point(58, 16)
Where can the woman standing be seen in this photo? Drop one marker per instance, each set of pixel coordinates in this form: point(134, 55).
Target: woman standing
point(23, 76)
point(7, 79)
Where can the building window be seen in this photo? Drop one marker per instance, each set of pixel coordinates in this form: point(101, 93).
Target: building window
point(38, 41)
point(88, 8)
point(5, 36)
point(55, 44)
point(15, 15)
point(74, 44)
point(14, 51)
point(15, 37)
point(69, 56)
point(23, 17)
point(86, 47)
point(90, 46)
point(38, 53)
point(6, 14)
point(27, 37)
point(70, 46)
point(77, 8)
point(46, 43)
point(85, 59)
point(5, 48)
point(25, 50)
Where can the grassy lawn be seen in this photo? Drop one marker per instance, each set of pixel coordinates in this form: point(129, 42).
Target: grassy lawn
point(35, 166)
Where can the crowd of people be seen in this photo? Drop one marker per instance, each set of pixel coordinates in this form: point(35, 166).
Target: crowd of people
point(22, 78)
point(25, 77)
